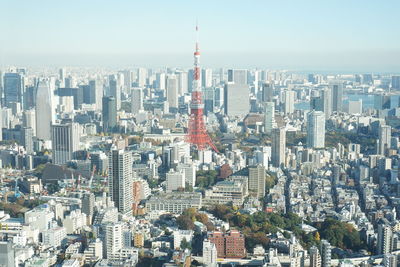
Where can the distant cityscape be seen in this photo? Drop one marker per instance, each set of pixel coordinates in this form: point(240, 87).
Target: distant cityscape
point(200, 166)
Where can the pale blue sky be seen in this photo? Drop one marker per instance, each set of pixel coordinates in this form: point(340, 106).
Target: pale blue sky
point(298, 34)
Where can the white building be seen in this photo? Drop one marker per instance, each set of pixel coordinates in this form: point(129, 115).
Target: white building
point(209, 254)
point(65, 142)
point(236, 99)
point(181, 235)
point(54, 237)
point(269, 116)
point(39, 217)
point(74, 221)
point(190, 173)
point(44, 110)
point(172, 91)
point(316, 129)
point(175, 180)
point(288, 101)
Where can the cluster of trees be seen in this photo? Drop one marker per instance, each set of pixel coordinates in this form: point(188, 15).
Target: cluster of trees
point(340, 234)
point(257, 226)
point(333, 138)
point(205, 179)
point(186, 220)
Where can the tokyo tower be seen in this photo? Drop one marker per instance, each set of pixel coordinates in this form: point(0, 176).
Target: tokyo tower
point(197, 133)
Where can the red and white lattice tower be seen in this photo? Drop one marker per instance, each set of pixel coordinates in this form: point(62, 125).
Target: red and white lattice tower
point(197, 133)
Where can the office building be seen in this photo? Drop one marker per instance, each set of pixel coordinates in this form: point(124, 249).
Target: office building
point(175, 202)
point(267, 92)
point(27, 139)
point(88, 204)
point(96, 93)
point(29, 120)
point(120, 180)
point(141, 77)
point(175, 181)
point(13, 88)
point(269, 117)
point(257, 181)
point(385, 135)
point(172, 91)
point(316, 129)
point(109, 114)
point(65, 142)
point(236, 100)
point(355, 107)
point(238, 77)
point(7, 254)
point(44, 111)
point(337, 97)
point(326, 98)
point(182, 83)
point(136, 100)
point(278, 146)
point(396, 82)
point(115, 91)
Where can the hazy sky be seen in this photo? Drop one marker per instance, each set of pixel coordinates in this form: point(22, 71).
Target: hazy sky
point(351, 35)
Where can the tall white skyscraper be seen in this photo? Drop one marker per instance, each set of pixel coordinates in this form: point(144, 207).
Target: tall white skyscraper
point(385, 135)
point(236, 99)
point(182, 83)
point(141, 77)
point(316, 129)
point(326, 98)
point(288, 101)
point(206, 78)
point(172, 91)
point(120, 180)
point(278, 150)
point(269, 116)
point(65, 142)
point(44, 110)
point(136, 100)
point(29, 120)
point(96, 93)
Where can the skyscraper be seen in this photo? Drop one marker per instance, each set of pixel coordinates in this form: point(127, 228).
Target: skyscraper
point(385, 135)
point(120, 180)
point(269, 116)
point(237, 76)
point(136, 100)
point(109, 114)
point(115, 91)
point(278, 146)
point(13, 88)
point(27, 139)
point(236, 100)
point(267, 92)
point(326, 98)
point(96, 93)
point(172, 91)
point(288, 101)
point(141, 77)
point(65, 142)
point(316, 129)
point(396, 82)
point(88, 204)
point(337, 97)
point(44, 110)
point(257, 181)
point(315, 257)
point(113, 239)
point(206, 78)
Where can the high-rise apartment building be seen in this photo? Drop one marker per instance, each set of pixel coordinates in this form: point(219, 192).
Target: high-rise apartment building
point(326, 253)
point(267, 92)
point(315, 257)
point(113, 239)
point(65, 142)
point(257, 181)
point(206, 78)
point(316, 129)
point(278, 146)
point(120, 180)
point(385, 135)
point(209, 254)
point(269, 117)
point(288, 101)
